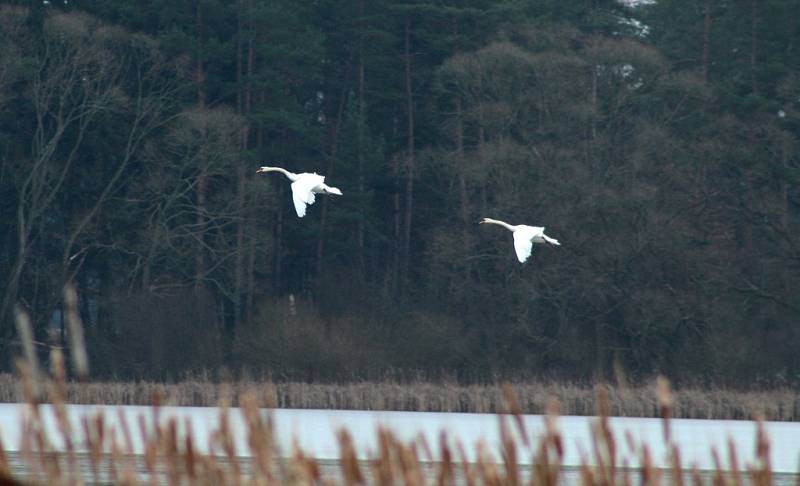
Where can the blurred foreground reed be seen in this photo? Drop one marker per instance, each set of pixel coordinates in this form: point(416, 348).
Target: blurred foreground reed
point(171, 457)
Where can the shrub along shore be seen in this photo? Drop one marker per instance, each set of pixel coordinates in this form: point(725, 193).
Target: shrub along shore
point(779, 404)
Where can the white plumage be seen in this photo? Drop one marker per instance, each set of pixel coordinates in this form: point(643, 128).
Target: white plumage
point(524, 237)
point(304, 186)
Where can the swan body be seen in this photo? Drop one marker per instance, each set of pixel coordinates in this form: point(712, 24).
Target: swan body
point(304, 187)
point(524, 237)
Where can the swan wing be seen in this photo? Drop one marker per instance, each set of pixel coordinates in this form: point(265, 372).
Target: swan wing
point(302, 191)
point(523, 244)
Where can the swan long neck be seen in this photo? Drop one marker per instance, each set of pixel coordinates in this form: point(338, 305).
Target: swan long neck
point(501, 223)
point(292, 176)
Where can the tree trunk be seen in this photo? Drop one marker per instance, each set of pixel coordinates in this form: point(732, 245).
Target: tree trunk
point(460, 160)
point(484, 164)
point(599, 349)
point(240, 207)
point(462, 169)
point(706, 37)
point(410, 162)
point(279, 240)
point(239, 55)
point(323, 218)
point(361, 128)
point(200, 221)
point(252, 243)
point(396, 225)
point(393, 275)
point(251, 276)
point(202, 175)
point(754, 44)
point(593, 125)
point(244, 94)
point(148, 259)
point(200, 76)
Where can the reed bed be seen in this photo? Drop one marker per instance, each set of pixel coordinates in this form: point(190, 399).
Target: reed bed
point(638, 401)
point(173, 458)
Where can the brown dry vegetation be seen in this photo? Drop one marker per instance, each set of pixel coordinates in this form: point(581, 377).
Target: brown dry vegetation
point(636, 401)
point(173, 459)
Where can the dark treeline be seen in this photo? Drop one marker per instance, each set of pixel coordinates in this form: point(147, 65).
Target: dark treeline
point(657, 142)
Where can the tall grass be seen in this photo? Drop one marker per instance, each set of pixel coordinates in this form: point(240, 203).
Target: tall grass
point(173, 458)
point(776, 405)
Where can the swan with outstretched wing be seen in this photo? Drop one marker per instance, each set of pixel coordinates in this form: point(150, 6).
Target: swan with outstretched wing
point(524, 237)
point(304, 187)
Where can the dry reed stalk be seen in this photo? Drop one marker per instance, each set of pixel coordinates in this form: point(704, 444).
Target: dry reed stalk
point(169, 451)
point(697, 479)
point(302, 469)
point(128, 460)
point(35, 445)
point(736, 477)
point(58, 399)
point(7, 480)
point(5, 471)
point(409, 463)
point(576, 400)
point(382, 467)
point(445, 475)
point(397, 462)
point(603, 444)
point(587, 474)
point(651, 476)
point(625, 473)
point(150, 449)
point(94, 431)
point(259, 436)
point(47, 460)
point(548, 460)
point(469, 472)
point(77, 342)
point(422, 443)
point(351, 471)
point(675, 464)
point(190, 456)
point(664, 405)
point(718, 478)
point(508, 454)
point(485, 466)
point(762, 472)
point(114, 458)
point(540, 473)
point(516, 412)
point(25, 333)
point(224, 438)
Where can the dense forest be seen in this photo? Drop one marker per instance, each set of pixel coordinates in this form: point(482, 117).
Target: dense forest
point(656, 140)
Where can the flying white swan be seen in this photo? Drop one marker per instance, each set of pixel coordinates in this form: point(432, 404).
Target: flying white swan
point(303, 187)
point(524, 237)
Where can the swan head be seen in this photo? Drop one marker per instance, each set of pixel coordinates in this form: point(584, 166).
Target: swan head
point(263, 169)
point(484, 221)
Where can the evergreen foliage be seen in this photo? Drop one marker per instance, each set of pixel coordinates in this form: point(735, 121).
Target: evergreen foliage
point(657, 141)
